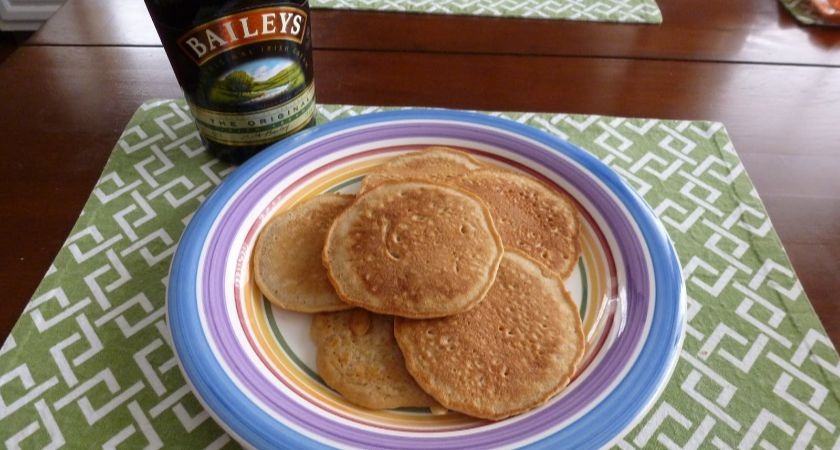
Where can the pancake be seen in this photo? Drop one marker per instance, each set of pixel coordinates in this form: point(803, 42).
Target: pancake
point(413, 249)
point(359, 358)
point(515, 350)
point(540, 221)
point(287, 256)
point(435, 164)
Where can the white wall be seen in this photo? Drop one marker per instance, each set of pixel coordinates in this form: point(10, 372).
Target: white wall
point(26, 15)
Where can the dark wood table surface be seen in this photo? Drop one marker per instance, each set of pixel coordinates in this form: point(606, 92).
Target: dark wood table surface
point(66, 95)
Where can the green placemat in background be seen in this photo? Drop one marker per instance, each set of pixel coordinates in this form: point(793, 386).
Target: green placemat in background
point(89, 362)
point(805, 13)
point(631, 11)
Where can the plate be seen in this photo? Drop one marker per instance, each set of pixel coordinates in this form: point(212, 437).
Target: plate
point(252, 365)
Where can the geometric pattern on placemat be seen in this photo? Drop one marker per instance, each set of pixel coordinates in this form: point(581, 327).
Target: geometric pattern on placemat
point(89, 364)
point(804, 12)
point(635, 11)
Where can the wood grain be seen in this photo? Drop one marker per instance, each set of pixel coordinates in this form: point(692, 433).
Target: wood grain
point(759, 31)
point(75, 102)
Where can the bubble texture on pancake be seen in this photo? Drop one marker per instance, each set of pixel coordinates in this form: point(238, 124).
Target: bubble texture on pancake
point(413, 249)
point(287, 256)
point(515, 350)
point(540, 221)
point(359, 358)
point(436, 164)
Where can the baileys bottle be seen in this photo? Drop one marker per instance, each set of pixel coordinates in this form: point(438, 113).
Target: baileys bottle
point(245, 68)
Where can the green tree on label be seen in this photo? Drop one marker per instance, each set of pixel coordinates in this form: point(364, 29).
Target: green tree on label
point(238, 82)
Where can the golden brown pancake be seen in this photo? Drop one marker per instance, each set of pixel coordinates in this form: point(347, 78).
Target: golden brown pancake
point(435, 164)
point(359, 358)
point(287, 256)
point(413, 249)
point(540, 221)
point(515, 350)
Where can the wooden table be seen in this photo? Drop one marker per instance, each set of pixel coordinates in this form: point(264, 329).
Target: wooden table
point(67, 94)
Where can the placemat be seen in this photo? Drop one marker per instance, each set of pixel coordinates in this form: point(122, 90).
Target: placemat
point(89, 362)
point(804, 12)
point(630, 11)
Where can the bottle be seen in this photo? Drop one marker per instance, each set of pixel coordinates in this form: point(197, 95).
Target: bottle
point(245, 67)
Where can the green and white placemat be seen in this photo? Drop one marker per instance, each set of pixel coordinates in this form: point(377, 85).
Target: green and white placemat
point(631, 11)
point(804, 12)
point(89, 363)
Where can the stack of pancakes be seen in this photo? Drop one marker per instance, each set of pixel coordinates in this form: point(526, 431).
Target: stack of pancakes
point(440, 285)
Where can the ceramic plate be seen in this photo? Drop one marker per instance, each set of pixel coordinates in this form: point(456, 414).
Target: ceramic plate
point(253, 367)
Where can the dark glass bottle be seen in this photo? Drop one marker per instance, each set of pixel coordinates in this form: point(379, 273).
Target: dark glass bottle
point(245, 67)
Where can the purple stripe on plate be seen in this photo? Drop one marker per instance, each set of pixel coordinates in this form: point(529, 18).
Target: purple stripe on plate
point(617, 358)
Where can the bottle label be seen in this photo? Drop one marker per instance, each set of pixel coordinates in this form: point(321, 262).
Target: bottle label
point(256, 127)
point(248, 75)
point(257, 25)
